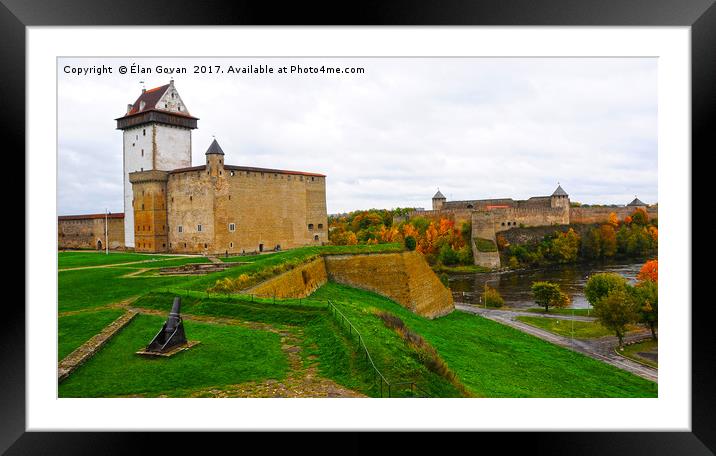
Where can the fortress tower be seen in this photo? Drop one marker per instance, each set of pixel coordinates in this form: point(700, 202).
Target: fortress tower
point(156, 136)
point(438, 201)
point(559, 198)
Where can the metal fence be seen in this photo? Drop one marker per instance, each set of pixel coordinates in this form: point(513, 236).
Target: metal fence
point(384, 385)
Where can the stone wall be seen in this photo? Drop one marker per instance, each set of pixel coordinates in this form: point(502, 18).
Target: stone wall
point(85, 231)
point(244, 209)
point(299, 282)
point(601, 214)
point(403, 277)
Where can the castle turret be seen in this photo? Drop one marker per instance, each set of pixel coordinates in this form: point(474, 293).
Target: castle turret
point(149, 189)
point(559, 198)
point(157, 136)
point(637, 203)
point(215, 159)
point(438, 201)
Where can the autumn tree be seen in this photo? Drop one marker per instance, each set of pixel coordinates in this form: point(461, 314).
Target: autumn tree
point(548, 294)
point(640, 217)
point(608, 238)
point(649, 271)
point(600, 285)
point(613, 219)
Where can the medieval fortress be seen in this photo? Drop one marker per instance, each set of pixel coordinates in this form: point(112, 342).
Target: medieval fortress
point(213, 208)
point(491, 216)
point(216, 208)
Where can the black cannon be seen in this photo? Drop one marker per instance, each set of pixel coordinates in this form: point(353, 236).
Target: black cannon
point(172, 333)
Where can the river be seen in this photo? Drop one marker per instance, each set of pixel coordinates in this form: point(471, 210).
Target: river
point(515, 286)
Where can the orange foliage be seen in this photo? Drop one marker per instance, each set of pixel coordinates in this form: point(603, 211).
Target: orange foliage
point(613, 219)
point(654, 233)
point(627, 219)
point(650, 271)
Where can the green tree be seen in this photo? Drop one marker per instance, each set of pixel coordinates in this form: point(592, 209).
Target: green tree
point(410, 243)
point(647, 298)
point(600, 285)
point(548, 294)
point(565, 247)
point(591, 244)
point(615, 311)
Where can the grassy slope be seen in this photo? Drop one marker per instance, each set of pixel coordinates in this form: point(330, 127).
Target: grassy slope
point(582, 329)
point(226, 355)
point(491, 359)
point(89, 288)
point(74, 330)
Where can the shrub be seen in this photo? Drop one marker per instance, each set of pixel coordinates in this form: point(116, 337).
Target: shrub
point(447, 255)
point(491, 297)
point(410, 243)
point(513, 263)
point(464, 255)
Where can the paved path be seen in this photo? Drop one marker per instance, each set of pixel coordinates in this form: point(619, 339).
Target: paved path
point(521, 313)
point(601, 348)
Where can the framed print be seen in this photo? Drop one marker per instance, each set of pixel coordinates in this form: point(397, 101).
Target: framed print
point(285, 220)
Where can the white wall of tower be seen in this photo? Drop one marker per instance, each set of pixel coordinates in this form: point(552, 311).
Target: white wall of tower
point(148, 147)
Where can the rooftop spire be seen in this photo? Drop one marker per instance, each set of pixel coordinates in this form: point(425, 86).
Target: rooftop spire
point(214, 148)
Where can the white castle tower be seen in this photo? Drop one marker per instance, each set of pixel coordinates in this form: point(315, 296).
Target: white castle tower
point(157, 136)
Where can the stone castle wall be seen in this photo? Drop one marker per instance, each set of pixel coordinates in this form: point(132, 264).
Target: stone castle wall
point(403, 277)
point(84, 233)
point(601, 214)
point(299, 282)
point(483, 227)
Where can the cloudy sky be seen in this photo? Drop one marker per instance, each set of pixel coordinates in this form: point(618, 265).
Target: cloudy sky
point(474, 127)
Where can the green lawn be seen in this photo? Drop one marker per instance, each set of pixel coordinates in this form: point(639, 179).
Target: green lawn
point(74, 330)
point(95, 258)
point(226, 355)
point(493, 360)
point(489, 359)
point(558, 311)
point(582, 329)
point(632, 351)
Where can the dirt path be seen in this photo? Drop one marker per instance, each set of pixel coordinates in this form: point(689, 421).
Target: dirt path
point(302, 380)
point(601, 348)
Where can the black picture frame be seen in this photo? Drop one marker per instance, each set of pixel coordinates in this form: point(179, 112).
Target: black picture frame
point(700, 15)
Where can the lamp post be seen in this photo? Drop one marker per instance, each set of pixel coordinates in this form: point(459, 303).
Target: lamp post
point(106, 229)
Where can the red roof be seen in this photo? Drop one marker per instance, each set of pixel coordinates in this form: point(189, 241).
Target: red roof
point(119, 215)
point(150, 98)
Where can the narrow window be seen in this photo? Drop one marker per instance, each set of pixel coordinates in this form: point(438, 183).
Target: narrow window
point(142, 206)
point(315, 238)
point(190, 198)
point(232, 227)
point(144, 132)
point(310, 226)
point(181, 230)
point(142, 152)
point(320, 226)
point(198, 228)
point(231, 172)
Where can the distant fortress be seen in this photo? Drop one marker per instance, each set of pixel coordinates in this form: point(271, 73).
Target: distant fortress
point(491, 216)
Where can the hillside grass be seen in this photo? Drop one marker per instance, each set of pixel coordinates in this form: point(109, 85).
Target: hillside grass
point(336, 351)
point(92, 288)
point(632, 351)
point(75, 330)
point(227, 355)
point(491, 359)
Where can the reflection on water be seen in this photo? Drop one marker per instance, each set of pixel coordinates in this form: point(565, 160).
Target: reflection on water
point(515, 286)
